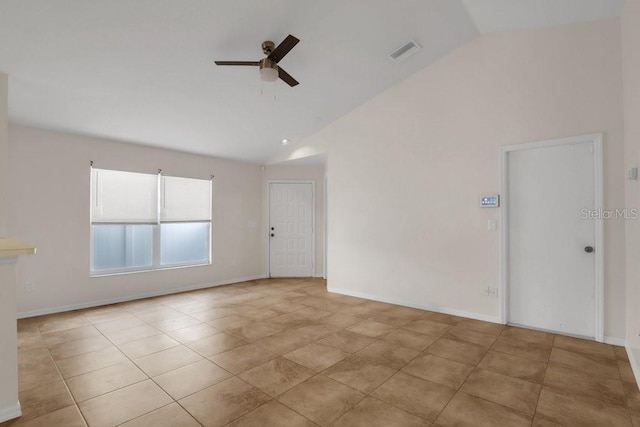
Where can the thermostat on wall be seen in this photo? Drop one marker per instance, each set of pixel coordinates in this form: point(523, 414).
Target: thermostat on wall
point(490, 201)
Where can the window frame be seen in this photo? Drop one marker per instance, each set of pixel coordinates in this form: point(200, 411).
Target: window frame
point(156, 235)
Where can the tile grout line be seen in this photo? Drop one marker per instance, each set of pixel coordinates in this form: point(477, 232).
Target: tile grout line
point(120, 388)
point(150, 377)
point(208, 359)
point(455, 392)
point(459, 389)
point(64, 380)
point(544, 377)
point(318, 374)
point(103, 394)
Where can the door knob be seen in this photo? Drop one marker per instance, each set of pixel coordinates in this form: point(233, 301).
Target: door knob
point(588, 249)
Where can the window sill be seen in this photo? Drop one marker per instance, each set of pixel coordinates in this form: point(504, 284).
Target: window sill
point(150, 270)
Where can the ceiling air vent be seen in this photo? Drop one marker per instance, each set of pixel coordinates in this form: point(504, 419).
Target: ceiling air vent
point(405, 51)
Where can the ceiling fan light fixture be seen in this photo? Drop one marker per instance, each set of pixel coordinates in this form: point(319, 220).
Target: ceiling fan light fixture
point(268, 74)
point(268, 70)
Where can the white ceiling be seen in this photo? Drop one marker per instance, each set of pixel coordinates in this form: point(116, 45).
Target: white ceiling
point(142, 70)
point(493, 16)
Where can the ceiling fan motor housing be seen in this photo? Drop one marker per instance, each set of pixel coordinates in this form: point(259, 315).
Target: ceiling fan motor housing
point(267, 47)
point(268, 63)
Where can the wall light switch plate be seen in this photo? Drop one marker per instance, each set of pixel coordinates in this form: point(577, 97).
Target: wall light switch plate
point(633, 173)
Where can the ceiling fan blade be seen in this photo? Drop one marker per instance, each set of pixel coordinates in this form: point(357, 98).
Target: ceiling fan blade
point(251, 63)
point(283, 48)
point(286, 77)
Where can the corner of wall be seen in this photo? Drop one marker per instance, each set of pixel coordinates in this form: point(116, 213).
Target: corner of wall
point(631, 83)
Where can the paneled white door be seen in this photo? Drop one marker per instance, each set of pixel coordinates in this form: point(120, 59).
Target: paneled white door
point(291, 210)
point(551, 193)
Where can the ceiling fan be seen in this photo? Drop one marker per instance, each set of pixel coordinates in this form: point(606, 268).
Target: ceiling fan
point(269, 68)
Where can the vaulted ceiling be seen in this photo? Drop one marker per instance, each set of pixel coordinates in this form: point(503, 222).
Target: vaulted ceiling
point(142, 71)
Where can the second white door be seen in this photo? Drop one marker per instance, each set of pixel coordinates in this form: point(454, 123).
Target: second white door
point(291, 229)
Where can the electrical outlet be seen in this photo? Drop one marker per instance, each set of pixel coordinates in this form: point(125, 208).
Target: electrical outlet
point(485, 291)
point(493, 292)
point(28, 287)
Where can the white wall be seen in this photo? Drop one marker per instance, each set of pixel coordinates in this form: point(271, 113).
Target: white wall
point(303, 173)
point(407, 168)
point(4, 154)
point(9, 406)
point(50, 208)
point(631, 69)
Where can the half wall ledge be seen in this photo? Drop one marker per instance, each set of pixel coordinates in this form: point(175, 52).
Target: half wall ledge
point(14, 247)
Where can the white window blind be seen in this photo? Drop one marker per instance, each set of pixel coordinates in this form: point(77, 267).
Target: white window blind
point(185, 199)
point(123, 197)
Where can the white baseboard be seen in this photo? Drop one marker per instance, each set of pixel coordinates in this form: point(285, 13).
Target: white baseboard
point(79, 306)
point(633, 361)
point(615, 341)
point(10, 412)
point(444, 310)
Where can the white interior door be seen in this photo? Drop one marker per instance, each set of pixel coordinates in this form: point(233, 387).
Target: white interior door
point(552, 273)
point(291, 229)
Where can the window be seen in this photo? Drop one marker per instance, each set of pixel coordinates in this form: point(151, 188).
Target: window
point(144, 222)
point(185, 220)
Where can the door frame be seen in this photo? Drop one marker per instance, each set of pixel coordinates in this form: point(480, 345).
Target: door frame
point(597, 140)
point(326, 227)
point(313, 221)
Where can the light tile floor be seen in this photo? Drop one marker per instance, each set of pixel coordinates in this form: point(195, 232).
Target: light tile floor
point(287, 353)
